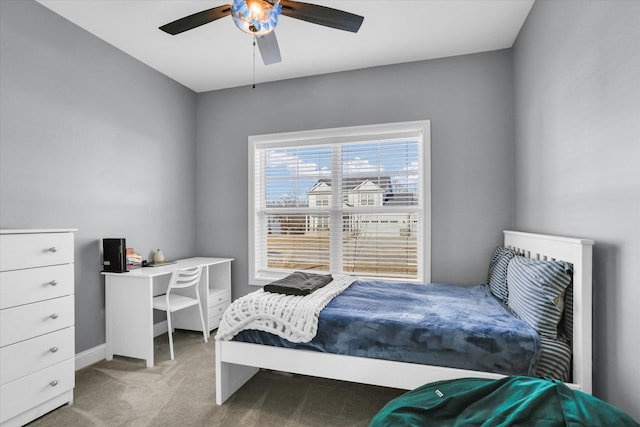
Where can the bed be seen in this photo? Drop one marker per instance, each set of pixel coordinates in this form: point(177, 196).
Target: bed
point(236, 362)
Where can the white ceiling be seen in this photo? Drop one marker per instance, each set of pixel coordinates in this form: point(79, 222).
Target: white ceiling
point(218, 55)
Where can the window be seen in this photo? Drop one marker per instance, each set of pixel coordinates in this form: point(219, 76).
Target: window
point(367, 200)
point(347, 200)
point(322, 200)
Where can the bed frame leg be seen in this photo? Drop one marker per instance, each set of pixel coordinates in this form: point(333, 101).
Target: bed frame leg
point(230, 377)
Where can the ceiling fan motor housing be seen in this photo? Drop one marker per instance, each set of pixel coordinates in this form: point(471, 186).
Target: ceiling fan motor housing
point(256, 17)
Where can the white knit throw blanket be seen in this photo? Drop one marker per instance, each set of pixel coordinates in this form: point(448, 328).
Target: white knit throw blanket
point(292, 317)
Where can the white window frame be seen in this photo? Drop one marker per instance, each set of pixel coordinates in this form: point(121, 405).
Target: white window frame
point(340, 135)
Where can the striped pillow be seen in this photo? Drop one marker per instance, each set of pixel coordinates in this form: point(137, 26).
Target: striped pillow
point(566, 323)
point(536, 292)
point(555, 360)
point(497, 278)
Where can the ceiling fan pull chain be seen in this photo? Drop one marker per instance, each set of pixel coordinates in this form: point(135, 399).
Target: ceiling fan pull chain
point(254, 63)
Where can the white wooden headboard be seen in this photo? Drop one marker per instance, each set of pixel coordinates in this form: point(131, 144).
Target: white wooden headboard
point(579, 253)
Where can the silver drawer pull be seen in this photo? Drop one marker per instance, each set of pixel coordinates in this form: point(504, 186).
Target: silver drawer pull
point(53, 249)
point(53, 383)
point(53, 283)
point(54, 316)
point(53, 349)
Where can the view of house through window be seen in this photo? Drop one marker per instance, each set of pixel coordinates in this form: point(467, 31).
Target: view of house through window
point(350, 203)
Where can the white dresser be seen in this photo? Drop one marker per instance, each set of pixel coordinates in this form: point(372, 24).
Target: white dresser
point(37, 337)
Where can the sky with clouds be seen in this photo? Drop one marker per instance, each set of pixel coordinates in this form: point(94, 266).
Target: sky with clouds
point(291, 172)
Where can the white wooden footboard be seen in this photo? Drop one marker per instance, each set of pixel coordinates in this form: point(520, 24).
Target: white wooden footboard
point(248, 358)
point(230, 376)
point(237, 362)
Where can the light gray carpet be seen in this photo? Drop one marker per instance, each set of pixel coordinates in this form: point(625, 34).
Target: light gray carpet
point(182, 393)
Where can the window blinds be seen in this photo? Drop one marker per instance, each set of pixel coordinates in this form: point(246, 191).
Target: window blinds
point(342, 204)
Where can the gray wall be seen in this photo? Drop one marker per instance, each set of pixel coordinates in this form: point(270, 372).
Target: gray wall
point(91, 139)
point(469, 102)
point(577, 87)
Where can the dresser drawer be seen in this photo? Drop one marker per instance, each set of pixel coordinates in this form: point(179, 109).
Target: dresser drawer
point(27, 392)
point(32, 320)
point(218, 296)
point(35, 250)
point(26, 357)
point(19, 287)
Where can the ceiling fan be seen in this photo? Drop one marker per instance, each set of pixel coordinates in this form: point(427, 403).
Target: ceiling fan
point(260, 17)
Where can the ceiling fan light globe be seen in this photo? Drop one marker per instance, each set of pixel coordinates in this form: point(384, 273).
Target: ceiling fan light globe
point(255, 17)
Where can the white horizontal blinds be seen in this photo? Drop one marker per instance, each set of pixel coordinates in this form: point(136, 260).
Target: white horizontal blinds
point(341, 204)
point(381, 213)
point(294, 208)
point(291, 172)
point(384, 245)
point(293, 245)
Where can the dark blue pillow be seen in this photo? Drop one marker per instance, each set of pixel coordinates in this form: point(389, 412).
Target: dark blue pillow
point(497, 278)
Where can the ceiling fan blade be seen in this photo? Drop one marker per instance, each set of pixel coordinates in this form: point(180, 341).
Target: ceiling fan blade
point(322, 15)
point(269, 50)
point(197, 19)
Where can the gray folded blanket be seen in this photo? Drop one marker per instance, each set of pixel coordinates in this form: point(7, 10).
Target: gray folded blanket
point(299, 283)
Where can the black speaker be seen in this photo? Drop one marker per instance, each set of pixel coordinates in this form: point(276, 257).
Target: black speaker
point(114, 255)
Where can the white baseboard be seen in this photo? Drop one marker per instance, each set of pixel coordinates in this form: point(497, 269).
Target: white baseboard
point(97, 353)
point(91, 356)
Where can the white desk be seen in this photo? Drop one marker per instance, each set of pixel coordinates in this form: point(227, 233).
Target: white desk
point(129, 306)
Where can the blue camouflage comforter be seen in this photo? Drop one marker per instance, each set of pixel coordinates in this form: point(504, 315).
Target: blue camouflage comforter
point(434, 324)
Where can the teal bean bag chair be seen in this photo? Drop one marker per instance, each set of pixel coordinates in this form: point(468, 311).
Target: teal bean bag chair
point(510, 401)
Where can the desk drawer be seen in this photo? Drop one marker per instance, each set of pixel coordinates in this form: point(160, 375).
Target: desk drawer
point(37, 284)
point(215, 314)
point(218, 309)
point(25, 357)
point(214, 321)
point(27, 321)
point(35, 250)
point(219, 296)
point(25, 393)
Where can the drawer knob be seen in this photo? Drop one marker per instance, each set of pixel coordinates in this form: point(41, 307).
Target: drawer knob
point(53, 383)
point(54, 316)
point(53, 283)
point(53, 249)
point(53, 349)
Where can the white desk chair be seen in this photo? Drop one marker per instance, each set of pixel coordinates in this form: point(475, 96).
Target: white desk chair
point(172, 301)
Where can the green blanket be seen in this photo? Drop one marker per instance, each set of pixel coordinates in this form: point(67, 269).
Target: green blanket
point(510, 401)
